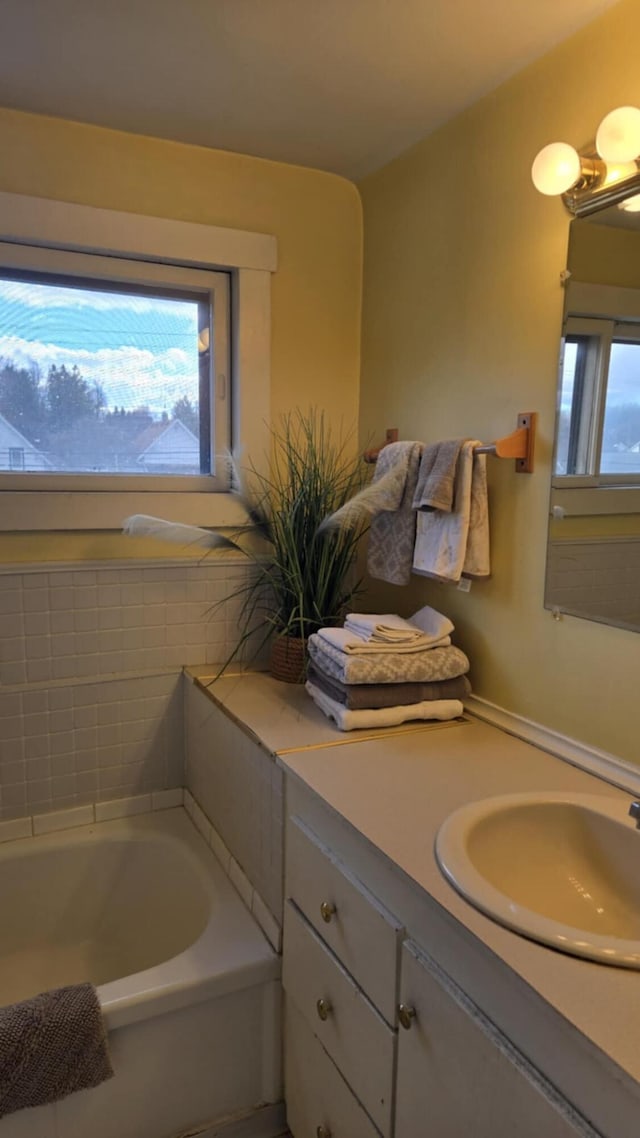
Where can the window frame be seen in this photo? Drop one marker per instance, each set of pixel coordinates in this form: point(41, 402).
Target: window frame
point(58, 264)
point(34, 229)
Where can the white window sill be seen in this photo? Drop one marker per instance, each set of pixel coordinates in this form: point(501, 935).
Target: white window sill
point(41, 510)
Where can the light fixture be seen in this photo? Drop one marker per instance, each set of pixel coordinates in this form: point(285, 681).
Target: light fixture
point(593, 179)
point(618, 137)
point(556, 168)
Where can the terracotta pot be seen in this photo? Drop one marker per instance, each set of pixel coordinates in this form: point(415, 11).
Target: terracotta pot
point(289, 659)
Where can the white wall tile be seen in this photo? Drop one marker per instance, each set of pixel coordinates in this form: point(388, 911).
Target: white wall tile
point(63, 819)
point(69, 635)
point(123, 807)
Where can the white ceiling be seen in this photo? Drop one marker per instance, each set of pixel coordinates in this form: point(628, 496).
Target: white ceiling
point(341, 85)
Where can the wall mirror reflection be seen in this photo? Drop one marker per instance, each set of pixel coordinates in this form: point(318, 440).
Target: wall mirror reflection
point(593, 548)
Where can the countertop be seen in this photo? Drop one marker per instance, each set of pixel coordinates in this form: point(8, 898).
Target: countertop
point(396, 787)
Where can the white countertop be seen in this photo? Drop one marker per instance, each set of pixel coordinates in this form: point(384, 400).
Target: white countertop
point(396, 787)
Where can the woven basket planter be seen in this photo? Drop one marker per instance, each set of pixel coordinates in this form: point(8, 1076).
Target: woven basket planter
point(289, 659)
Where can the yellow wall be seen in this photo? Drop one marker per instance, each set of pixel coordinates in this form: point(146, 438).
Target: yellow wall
point(462, 315)
point(316, 218)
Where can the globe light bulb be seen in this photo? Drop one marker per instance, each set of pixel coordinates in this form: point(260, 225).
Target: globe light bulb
point(556, 168)
point(619, 172)
point(618, 136)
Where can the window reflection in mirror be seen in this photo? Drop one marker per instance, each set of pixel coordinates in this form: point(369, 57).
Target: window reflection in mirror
point(593, 550)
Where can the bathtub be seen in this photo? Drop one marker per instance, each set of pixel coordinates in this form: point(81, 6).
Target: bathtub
point(188, 984)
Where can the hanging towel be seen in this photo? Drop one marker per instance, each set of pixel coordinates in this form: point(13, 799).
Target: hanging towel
point(387, 667)
point(477, 562)
point(359, 696)
point(443, 548)
point(383, 716)
point(50, 1046)
point(343, 640)
point(436, 476)
point(393, 527)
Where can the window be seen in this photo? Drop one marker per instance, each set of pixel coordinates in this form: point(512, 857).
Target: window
point(119, 337)
point(108, 369)
point(599, 414)
point(16, 458)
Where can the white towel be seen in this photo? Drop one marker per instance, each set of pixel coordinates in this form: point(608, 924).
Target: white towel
point(383, 628)
point(347, 720)
point(450, 544)
point(344, 640)
point(433, 623)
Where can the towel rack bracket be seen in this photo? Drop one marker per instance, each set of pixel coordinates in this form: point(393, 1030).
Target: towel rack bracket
point(527, 422)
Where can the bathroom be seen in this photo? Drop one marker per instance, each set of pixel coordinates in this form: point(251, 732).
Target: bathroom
point(433, 302)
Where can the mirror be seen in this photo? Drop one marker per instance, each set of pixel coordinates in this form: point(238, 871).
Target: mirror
point(593, 546)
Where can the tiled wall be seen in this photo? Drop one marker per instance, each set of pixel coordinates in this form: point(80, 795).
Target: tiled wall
point(90, 676)
point(598, 578)
point(240, 789)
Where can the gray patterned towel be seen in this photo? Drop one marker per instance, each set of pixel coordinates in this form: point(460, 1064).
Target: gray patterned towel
point(50, 1046)
point(393, 529)
point(388, 501)
point(388, 667)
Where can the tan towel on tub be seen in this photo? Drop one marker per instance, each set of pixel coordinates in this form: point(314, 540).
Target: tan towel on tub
point(50, 1046)
point(388, 667)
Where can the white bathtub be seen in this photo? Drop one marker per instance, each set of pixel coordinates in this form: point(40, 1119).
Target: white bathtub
point(188, 984)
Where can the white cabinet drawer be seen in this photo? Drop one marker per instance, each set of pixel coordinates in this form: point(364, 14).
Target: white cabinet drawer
point(317, 1096)
point(458, 1075)
point(361, 932)
point(349, 1028)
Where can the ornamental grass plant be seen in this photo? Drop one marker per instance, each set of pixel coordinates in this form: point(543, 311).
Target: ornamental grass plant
point(303, 576)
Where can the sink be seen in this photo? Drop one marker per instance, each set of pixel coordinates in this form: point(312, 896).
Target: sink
point(562, 869)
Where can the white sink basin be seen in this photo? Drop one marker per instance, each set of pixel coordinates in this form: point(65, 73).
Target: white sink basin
point(560, 869)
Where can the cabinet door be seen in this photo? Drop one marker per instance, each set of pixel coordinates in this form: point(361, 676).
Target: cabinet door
point(318, 1099)
point(458, 1075)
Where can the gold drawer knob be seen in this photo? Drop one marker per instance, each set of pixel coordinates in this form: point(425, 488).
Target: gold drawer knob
point(323, 1008)
point(327, 911)
point(323, 1132)
point(406, 1014)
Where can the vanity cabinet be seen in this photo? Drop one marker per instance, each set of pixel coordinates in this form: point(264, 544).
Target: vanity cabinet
point(458, 1074)
point(379, 1041)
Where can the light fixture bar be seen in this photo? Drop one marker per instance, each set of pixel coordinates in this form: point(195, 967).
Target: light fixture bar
point(590, 195)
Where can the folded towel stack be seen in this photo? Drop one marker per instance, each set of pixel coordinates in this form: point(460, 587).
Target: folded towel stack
point(381, 670)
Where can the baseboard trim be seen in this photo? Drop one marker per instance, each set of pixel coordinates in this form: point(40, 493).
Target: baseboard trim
point(266, 1122)
point(617, 772)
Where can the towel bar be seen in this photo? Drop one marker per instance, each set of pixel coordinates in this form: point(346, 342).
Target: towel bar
point(520, 444)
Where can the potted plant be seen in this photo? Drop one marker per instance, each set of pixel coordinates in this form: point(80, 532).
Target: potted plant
point(302, 576)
